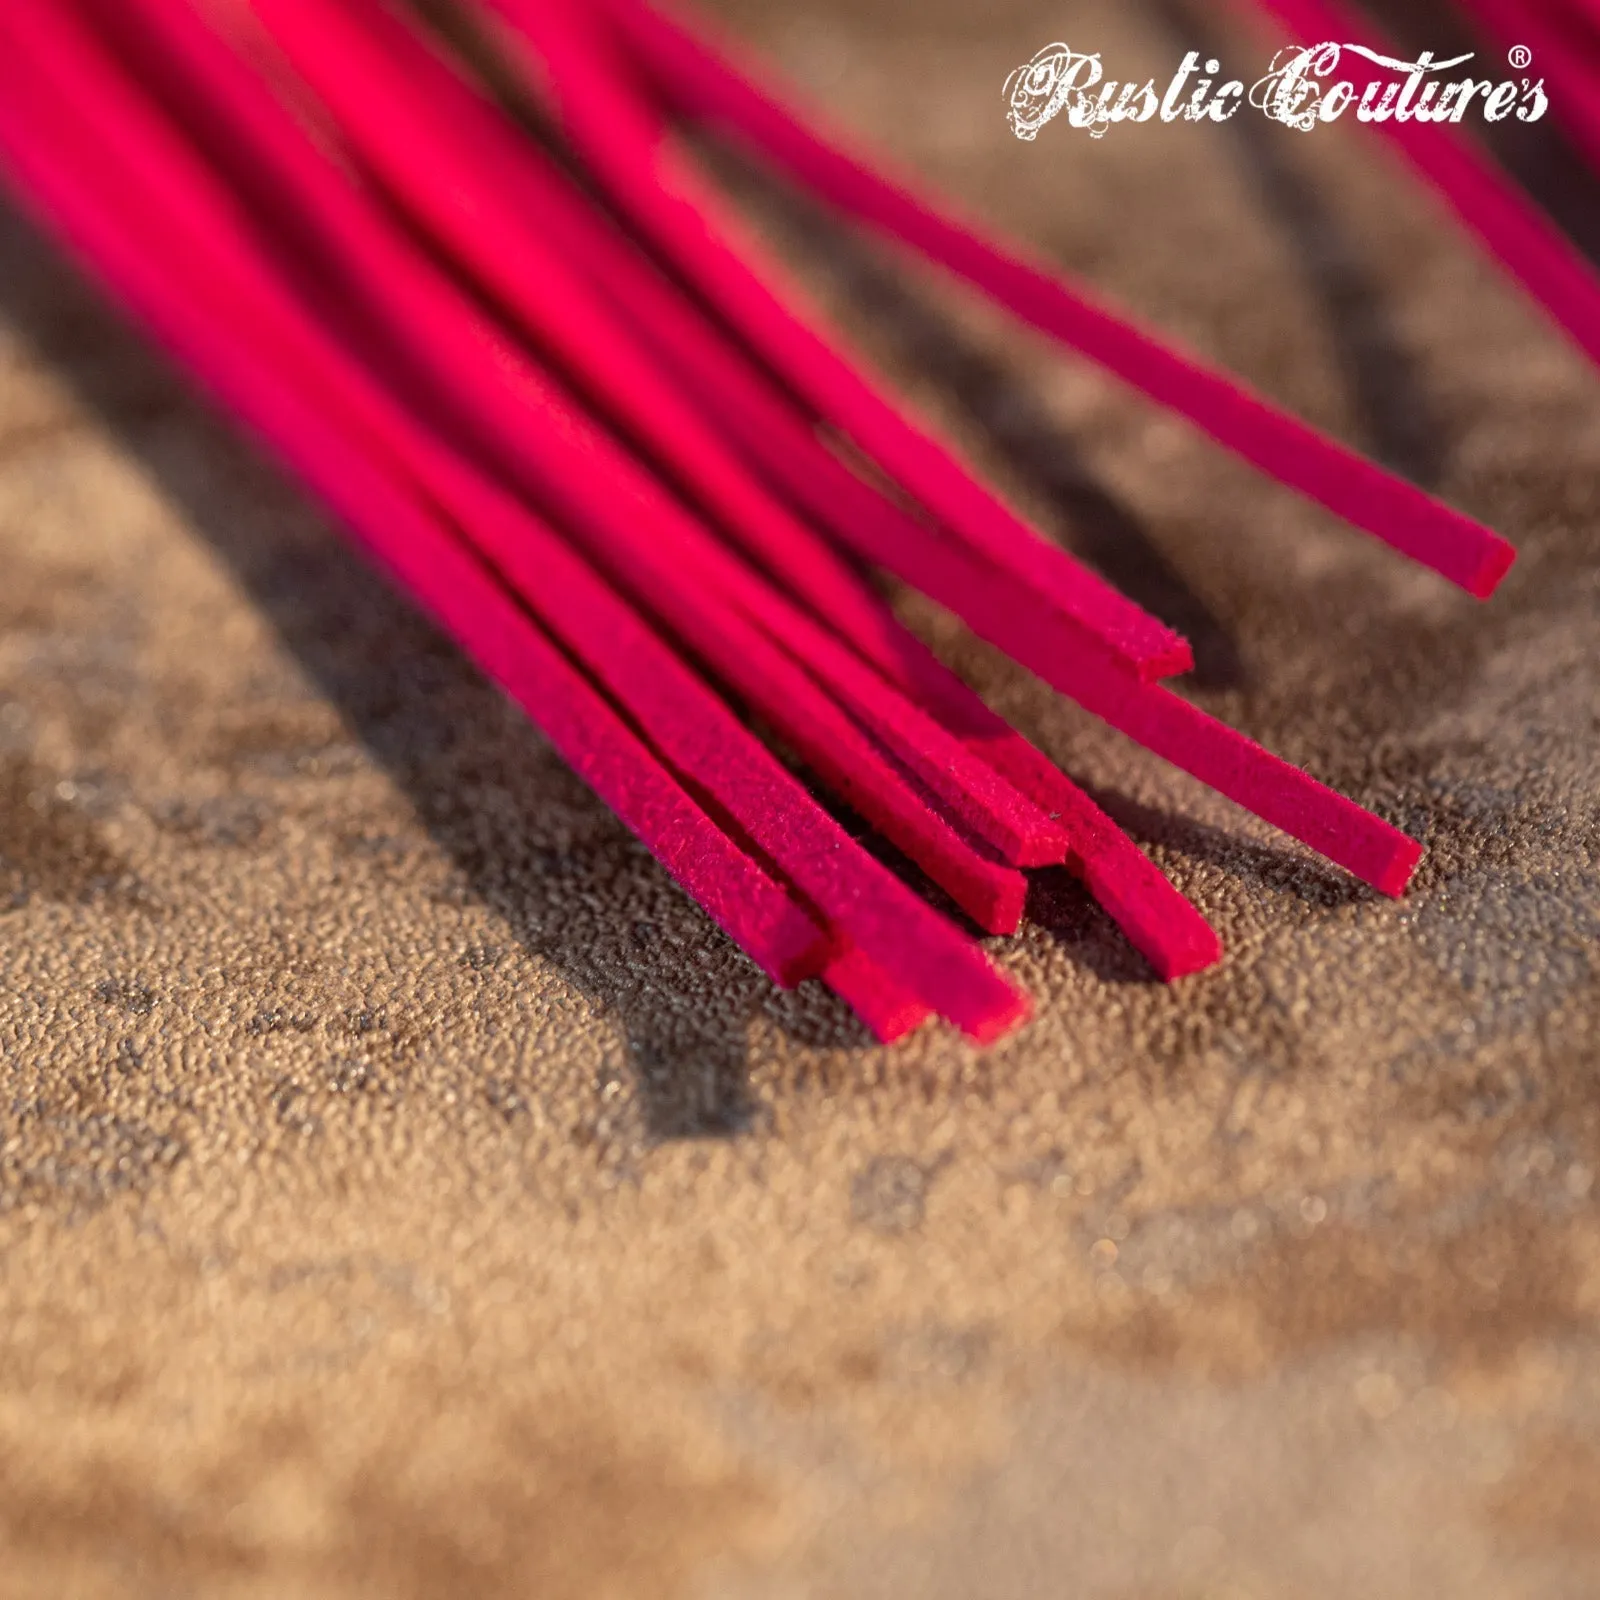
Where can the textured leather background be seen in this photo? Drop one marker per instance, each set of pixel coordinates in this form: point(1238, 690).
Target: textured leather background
point(405, 1192)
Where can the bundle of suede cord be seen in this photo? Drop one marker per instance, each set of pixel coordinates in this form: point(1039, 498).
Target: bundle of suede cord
point(1108, 860)
point(1348, 834)
point(611, 123)
point(1175, 937)
point(1200, 944)
point(925, 963)
point(353, 71)
point(1164, 927)
point(1009, 824)
point(430, 434)
point(612, 505)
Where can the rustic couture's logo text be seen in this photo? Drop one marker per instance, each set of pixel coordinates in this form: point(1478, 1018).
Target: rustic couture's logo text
point(1306, 86)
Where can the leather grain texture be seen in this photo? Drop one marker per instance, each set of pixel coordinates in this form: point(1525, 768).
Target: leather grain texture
point(404, 1191)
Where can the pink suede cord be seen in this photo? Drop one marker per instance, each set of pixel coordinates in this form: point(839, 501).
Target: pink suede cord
point(874, 907)
point(699, 80)
point(887, 1007)
point(627, 147)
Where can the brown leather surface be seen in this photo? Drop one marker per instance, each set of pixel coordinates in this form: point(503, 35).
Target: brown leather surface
point(405, 1192)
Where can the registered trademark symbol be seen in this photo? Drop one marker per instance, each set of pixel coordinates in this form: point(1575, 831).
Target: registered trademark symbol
point(1521, 57)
